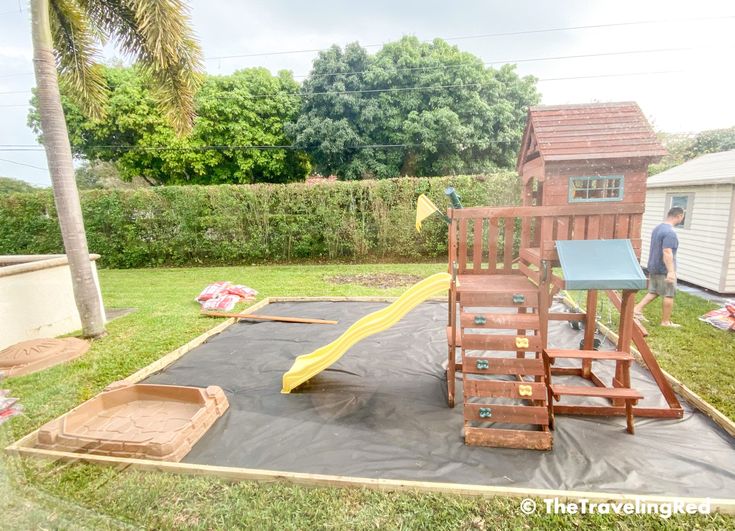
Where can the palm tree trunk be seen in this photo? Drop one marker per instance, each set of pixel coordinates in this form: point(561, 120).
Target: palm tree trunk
point(61, 168)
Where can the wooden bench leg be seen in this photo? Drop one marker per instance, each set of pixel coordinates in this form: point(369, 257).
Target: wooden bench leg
point(625, 373)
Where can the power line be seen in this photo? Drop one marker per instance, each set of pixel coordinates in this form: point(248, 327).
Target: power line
point(460, 65)
point(491, 35)
point(16, 75)
point(436, 87)
point(23, 164)
point(248, 147)
point(455, 85)
point(490, 63)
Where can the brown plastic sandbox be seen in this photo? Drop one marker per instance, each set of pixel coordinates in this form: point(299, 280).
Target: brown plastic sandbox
point(36, 354)
point(143, 421)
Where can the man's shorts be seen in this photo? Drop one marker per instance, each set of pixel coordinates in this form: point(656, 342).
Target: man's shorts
point(657, 284)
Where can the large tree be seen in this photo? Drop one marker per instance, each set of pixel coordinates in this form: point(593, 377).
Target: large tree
point(233, 112)
point(66, 36)
point(427, 108)
point(682, 147)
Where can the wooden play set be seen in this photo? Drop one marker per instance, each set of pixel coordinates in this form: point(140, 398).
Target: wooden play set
point(583, 172)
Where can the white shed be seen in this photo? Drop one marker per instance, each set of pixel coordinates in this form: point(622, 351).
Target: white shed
point(705, 189)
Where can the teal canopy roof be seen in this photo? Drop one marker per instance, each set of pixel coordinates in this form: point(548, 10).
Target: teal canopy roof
point(600, 264)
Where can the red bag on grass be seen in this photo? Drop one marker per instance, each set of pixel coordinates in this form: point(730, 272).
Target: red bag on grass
point(213, 290)
point(244, 292)
point(223, 303)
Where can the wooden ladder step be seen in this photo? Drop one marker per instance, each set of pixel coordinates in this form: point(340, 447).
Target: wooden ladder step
point(503, 389)
point(506, 414)
point(509, 321)
point(589, 354)
point(501, 342)
point(494, 365)
point(624, 393)
point(502, 438)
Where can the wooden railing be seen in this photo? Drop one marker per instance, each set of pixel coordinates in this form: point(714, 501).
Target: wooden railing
point(490, 240)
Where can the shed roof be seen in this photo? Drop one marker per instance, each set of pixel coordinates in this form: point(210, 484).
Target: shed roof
point(588, 131)
point(715, 168)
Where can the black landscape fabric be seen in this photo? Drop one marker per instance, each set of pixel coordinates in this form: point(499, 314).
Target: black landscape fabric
point(381, 412)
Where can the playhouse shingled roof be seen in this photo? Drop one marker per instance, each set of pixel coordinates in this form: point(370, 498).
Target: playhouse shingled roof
point(715, 168)
point(588, 131)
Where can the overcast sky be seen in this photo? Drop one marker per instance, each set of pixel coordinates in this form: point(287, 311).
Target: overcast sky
point(687, 87)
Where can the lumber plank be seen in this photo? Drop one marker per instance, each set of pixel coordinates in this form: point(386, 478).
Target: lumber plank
point(618, 411)
point(499, 342)
point(477, 245)
point(588, 354)
point(502, 389)
point(548, 211)
point(509, 321)
point(522, 366)
point(508, 235)
point(492, 245)
point(462, 245)
point(508, 414)
point(493, 437)
point(258, 317)
point(594, 391)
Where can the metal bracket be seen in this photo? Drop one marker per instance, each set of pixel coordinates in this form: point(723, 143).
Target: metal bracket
point(480, 319)
point(525, 390)
point(521, 342)
point(482, 364)
point(519, 298)
point(486, 412)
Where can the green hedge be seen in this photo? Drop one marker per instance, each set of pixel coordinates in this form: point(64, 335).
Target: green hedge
point(228, 224)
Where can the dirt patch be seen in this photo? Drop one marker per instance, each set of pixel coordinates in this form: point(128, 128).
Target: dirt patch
point(377, 280)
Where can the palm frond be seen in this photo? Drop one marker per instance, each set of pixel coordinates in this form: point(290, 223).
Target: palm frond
point(76, 50)
point(157, 34)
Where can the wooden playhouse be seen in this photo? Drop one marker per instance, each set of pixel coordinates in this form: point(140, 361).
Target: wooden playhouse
point(583, 170)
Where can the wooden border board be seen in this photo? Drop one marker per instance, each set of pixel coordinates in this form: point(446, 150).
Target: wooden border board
point(24, 447)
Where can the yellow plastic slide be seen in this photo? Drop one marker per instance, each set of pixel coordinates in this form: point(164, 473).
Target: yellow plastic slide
point(309, 365)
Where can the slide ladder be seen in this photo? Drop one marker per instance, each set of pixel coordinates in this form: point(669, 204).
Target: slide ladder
point(503, 373)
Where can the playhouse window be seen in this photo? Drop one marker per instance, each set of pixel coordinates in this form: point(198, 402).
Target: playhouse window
point(600, 188)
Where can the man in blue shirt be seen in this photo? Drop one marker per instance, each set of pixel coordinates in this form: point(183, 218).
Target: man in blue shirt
point(662, 267)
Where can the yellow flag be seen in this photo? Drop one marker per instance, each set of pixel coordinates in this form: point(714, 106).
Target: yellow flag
point(424, 209)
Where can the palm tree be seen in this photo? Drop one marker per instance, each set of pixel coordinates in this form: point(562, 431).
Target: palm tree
point(67, 35)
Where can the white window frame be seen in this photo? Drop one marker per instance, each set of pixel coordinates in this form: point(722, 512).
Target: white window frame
point(589, 179)
point(688, 210)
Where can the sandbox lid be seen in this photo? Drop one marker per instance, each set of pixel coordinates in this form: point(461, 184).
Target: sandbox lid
point(600, 264)
point(144, 421)
point(36, 354)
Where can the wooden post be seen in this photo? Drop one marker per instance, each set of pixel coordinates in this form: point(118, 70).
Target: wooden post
point(625, 332)
point(452, 355)
point(590, 325)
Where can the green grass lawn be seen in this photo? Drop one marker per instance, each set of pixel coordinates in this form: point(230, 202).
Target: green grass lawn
point(49, 495)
